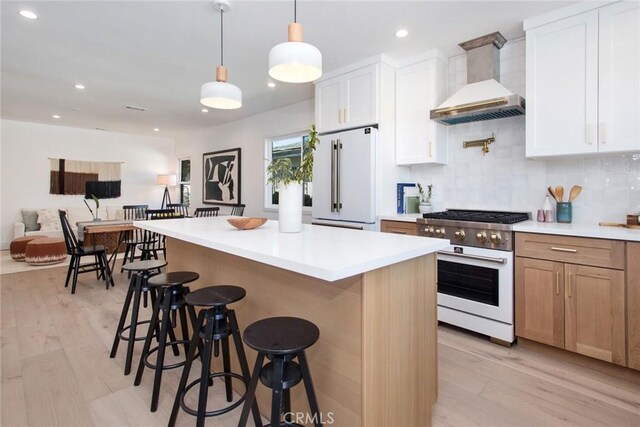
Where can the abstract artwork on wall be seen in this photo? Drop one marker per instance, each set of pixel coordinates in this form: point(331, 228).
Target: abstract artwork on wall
point(221, 177)
point(100, 179)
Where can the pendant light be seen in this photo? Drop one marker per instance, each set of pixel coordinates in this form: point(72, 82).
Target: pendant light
point(220, 94)
point(295, 61)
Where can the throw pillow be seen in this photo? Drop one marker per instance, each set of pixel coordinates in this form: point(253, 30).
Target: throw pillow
point(49, 220)
point(30, 220)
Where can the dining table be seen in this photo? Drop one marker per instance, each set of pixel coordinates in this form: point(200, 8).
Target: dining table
point(90, 231)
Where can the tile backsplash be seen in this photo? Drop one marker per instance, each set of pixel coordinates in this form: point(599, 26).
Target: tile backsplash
point(504, 179)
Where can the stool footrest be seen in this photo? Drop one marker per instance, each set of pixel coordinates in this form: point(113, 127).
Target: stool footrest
point(217, 412)
point(148, 364)
point(126, 338)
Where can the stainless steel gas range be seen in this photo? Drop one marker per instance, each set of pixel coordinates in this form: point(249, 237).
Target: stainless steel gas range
point(475, 273)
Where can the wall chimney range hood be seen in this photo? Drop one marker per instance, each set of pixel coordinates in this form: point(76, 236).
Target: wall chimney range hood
point(483, 98)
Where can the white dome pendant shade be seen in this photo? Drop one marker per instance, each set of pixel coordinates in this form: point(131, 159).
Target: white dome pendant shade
point(295, 61)
point(220, 94)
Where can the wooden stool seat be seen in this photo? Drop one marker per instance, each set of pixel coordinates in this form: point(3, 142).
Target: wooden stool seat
point(215, 296)
point(281, 335)
point(146, 265)
point(174, 278)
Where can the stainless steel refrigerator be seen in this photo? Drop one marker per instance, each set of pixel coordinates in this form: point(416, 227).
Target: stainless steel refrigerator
point(344, 193)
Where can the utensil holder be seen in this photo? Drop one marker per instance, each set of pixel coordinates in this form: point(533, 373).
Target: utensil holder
point(564, 212)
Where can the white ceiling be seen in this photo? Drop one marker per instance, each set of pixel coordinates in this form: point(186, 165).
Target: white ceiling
point(156, 54)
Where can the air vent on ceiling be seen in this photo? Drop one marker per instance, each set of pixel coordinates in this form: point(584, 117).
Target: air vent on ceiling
point(136, 108)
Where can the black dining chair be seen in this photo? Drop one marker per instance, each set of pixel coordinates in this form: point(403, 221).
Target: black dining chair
point(77, 252)
point(154, 242)
point(238, 210)
point(134, 237)
point(206, 212)
point(179, 208)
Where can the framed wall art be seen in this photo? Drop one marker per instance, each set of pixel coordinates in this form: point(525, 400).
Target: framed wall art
point(221, 177)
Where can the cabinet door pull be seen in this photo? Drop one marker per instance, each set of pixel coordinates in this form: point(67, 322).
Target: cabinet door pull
point(603, 132)
point(570, 283)
point(557, 283)
point(573, 251)
point(340, 115)
point(431, 149)
point(346, 115)
point(398, 232)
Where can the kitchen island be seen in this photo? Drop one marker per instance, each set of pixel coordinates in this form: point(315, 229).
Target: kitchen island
point(372, 295)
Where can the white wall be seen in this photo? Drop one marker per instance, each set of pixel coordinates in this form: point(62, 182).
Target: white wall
point(249, 134)
point(505, 180)
point(26, 147)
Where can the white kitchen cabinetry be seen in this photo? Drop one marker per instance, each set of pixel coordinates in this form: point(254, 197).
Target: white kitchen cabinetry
point(582, 83)
point(348, 100)
point(420, 87)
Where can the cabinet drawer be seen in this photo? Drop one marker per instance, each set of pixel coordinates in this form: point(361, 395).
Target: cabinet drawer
point(399, 227)
point(575, 250)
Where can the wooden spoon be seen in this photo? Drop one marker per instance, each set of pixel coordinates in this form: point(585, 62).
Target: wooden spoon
point(559, 193)
point(575, 192)
point(553, 193)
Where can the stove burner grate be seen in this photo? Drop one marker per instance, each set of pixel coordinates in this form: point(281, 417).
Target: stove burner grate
point(479, 216)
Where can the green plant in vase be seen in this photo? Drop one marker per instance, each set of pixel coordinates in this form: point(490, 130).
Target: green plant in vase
point(97, 202)
point(425, 198)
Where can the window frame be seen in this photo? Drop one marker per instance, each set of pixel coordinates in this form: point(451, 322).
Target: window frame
point(268, 188)
point(182, 183)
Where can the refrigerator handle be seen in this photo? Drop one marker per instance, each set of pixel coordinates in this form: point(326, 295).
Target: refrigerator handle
point(333, 176)
point(338, 202)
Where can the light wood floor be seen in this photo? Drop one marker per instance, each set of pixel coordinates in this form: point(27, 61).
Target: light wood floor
point(56, 370)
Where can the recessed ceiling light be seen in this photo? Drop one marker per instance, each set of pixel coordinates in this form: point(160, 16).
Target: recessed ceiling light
point(55, 116)
point(28, 14)
point(204, 110)
point(271, 84)
point(79, 86)
point(156, 130)
point(402, 33)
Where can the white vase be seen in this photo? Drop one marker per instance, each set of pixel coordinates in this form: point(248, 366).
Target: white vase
point(425, 207)
point(290, 207)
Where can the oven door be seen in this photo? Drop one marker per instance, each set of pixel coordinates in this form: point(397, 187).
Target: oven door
point(476, 281)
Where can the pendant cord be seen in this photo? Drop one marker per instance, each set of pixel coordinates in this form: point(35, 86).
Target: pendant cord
point(221, 37)
point(294, 11)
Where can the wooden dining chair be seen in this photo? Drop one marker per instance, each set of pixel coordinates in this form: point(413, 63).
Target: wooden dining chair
point(206, 212)
point(135, 237)
point(77, 252)
point(238, 210)
point(179, 208)
point(154, 242)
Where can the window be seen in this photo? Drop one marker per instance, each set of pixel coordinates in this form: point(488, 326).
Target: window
point(184, 178)
point(286, 146)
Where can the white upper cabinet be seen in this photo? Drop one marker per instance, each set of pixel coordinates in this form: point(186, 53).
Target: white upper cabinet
point(619, 90)
point(348, 100)
point(419, 88)
point(582, 83)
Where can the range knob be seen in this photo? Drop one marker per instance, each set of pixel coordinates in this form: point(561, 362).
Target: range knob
point(496, 239)
point(439, 232)
point(459, 235)
point(428, 231)
point(481, 237)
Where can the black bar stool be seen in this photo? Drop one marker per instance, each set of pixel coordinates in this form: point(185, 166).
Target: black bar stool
point(171, 294)
point(281, 339)
point(138, 287)
point(214, 326)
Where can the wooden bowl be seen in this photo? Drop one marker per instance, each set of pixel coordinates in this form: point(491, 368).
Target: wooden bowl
point(247, 223)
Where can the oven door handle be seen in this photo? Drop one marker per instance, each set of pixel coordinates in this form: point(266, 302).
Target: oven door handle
point(476, 257)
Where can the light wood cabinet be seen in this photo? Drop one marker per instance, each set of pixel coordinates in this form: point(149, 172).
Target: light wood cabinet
point(564, 302)
point(399, 227)
point(540, 301)
point(348, 100)
point(582, 83)
point(420, 87)
point(633, 305)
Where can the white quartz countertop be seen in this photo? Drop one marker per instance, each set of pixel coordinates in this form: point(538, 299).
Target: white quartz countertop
point(579, 230)
point(326, 253)
point(400, 217)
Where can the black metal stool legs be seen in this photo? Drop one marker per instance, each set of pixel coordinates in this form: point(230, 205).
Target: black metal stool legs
point(276, 393)
point(308, 385)
point(206, 368)
point(251, 392)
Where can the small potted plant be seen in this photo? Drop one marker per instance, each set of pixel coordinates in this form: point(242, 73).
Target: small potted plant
point(97, 201)
point(425, 198)
point(288, 180)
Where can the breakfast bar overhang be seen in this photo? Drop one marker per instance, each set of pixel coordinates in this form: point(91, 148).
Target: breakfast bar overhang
point(372, 295)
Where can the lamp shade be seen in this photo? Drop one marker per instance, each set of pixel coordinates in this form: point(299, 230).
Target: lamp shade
point(166, 179)
point(295, 62)
point(221, 95)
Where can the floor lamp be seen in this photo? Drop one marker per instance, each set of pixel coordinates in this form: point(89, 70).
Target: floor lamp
point(166, 180)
